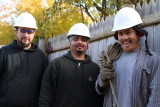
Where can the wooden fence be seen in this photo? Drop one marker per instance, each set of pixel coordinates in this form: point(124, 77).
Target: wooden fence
point(102, 35)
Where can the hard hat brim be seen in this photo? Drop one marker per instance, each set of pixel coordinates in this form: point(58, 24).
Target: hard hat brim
point(77, 35)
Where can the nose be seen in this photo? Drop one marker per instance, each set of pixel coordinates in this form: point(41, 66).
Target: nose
point(25, 34)
point(79, 41)
point(125, 36)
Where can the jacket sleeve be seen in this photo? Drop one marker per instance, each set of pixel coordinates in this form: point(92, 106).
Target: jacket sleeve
point(1, 61)
point(154, 98)
point(45, 64)
point(100, 90)
point(48, 87)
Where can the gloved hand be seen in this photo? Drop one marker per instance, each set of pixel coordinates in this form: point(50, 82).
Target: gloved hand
point(106, 74)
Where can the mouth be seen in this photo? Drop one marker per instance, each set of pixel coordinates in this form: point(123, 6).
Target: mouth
point(79, 47)
point(127, 43)
point(25, 39)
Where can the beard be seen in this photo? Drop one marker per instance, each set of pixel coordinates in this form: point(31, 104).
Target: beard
point(22, 44)
point(79, 51)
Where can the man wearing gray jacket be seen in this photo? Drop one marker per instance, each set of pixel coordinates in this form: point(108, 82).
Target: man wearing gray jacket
point(136, 78)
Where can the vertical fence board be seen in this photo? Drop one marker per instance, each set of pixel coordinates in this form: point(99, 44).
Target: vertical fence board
point(42, 45)
point(157, 6)
point(151, 8)
point(102, 45)
point(94, 53)
point(150, 37)
point(157, 39)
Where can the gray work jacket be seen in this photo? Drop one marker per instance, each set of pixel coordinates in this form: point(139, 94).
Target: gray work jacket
point(146, 80)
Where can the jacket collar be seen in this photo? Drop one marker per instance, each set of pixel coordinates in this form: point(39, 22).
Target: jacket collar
point(69, 56)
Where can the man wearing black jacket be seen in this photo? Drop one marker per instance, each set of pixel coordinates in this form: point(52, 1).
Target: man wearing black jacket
point(22, 66)
point(69, 81)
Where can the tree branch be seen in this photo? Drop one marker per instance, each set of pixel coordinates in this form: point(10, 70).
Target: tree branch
point(100, 9)
point(87, 12)
point(85, 9)
point(117, 4)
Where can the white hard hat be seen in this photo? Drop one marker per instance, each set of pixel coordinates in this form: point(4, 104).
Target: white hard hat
point(125, 18)
point(79, 29)
point(25, 20)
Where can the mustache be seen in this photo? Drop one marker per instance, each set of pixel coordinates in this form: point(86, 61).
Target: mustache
point(79, 44)
point(25, 38)
point(128, 40)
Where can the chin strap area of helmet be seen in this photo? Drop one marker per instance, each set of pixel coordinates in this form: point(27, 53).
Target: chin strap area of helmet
point(138, 28)
point(146, 44)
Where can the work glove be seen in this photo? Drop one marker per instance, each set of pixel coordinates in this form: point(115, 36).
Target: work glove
point(106, 74)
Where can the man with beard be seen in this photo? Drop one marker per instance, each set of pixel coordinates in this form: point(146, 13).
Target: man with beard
point(136, 78)
point(69, 81)
point(22, 66)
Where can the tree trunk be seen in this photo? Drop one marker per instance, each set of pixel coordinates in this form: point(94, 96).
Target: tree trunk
point(130, 3)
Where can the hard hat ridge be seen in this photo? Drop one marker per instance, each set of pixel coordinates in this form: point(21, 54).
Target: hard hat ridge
point(125, 18)
point(25, 20)
point(79, 29)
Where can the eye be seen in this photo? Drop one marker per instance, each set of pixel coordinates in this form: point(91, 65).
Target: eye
point(75, 39)
point(30, 32)
point(84, 39)
point(22, 31)
point(120, 33)
point(128, 32)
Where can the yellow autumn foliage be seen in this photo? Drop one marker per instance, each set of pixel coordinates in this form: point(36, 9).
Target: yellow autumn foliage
point(50, 21)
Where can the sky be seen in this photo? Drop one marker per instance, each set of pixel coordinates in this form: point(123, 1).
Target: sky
point(8, 3)
point(5, 1)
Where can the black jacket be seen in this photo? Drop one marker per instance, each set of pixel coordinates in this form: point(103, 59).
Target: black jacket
point(70, 83)
point(21, 72)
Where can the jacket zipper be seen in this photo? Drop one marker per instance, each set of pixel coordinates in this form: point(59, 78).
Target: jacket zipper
point(79, 65)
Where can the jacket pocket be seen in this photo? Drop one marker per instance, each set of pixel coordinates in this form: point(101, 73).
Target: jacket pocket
point(145, 78)
point(91, 82)
point(144, 87)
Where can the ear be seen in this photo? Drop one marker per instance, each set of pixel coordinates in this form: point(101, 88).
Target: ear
point(16, 32)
